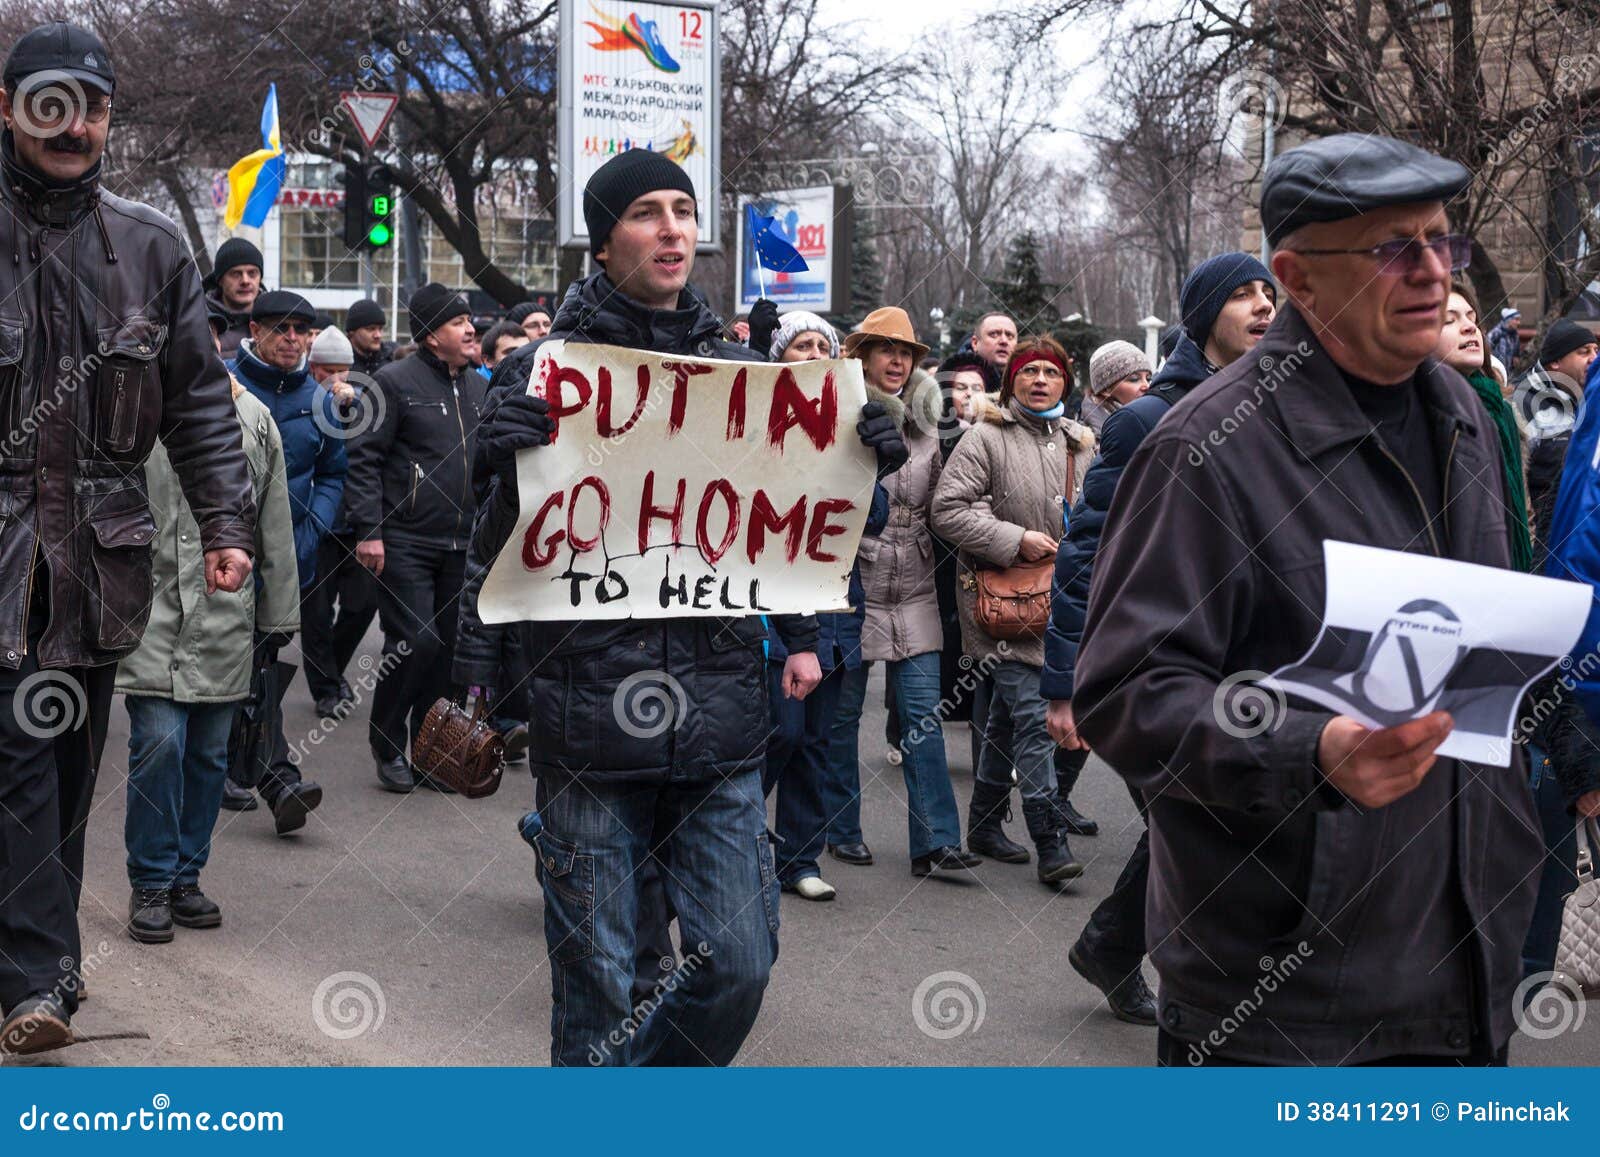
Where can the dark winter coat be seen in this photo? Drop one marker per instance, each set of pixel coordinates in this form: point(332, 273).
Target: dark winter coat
point(238, 324)
point(313, 448)
point(594, 684)
point(104, 347)
point(1124, 429)
point(410, 472)
point(1405, 923)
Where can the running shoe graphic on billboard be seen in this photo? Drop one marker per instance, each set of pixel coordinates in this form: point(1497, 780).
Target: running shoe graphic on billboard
point(618, 34)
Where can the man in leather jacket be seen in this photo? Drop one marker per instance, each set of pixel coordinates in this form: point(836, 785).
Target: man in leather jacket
point(104, 346)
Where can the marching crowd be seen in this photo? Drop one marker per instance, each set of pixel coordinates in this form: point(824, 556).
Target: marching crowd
point(1062, 558)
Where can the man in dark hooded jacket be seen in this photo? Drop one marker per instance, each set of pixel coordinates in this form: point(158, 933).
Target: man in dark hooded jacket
point(614, 792)
point(1228, 302)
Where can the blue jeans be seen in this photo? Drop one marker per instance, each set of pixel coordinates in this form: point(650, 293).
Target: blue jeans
point(1560, 872)
point(931, 811)
point(797, 768)
point(710, 837)
point(1014, 691)
point(177, 762)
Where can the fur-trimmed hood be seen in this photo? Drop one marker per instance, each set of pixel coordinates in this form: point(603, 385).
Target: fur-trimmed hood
point(918, 406)
point(989, 409)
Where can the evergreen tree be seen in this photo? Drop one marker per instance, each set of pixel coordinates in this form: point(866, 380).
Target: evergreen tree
point(1021, 289)
point(866, 276)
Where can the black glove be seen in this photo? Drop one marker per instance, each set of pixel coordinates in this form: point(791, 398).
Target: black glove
point(519, 422)
point(275, 641)
point(879, 432)
point(764, 322)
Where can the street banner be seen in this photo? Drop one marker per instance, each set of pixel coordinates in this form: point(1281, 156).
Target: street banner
point(1404, 635)
point(638, 75)
point(813, 222)
point(678, 487)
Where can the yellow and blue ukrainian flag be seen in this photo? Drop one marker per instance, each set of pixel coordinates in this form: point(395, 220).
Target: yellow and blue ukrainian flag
point(254, 181)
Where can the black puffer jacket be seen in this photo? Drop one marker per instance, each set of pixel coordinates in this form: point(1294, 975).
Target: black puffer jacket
point(410, 473)
point(594, 684)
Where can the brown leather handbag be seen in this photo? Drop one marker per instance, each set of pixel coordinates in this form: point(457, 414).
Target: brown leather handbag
point(457, 747)
point(1014, 603)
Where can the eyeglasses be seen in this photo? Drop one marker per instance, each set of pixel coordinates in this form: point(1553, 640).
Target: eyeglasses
point(1403, 255)
point(1048, 372)
point(298, 328)
point(52, 107)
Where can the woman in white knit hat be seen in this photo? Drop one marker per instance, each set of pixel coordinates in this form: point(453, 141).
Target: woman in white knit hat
point(1118, 373)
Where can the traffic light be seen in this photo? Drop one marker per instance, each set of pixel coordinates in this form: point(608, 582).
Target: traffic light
point(380, 205)
point(355, 206)
point(368, 206)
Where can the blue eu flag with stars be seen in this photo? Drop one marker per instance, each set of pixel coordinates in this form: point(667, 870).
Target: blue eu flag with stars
point(772, 251)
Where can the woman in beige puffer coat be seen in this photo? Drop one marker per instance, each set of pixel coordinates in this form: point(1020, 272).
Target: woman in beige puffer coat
point(902, 627)
point(1001, 500)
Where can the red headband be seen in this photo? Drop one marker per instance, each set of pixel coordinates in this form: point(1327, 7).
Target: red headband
point(1027, 357)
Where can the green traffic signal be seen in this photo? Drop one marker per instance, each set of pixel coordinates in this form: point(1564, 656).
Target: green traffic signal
point(380, 206)
point(380, 234)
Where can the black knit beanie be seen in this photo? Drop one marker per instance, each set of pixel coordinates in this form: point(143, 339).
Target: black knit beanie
point(234, 252)
point(620, 182)
point(364, 313)
point(432, 306)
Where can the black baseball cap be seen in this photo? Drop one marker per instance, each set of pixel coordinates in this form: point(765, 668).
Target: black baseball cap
point(62, 48)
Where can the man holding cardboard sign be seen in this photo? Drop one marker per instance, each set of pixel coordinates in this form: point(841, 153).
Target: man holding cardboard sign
point(635, 552)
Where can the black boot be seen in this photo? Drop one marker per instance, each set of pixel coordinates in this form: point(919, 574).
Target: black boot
point(150, 915)
point(1055, 857)
point(990, 807)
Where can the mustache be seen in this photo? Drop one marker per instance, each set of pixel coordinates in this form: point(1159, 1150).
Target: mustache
point(66, 144)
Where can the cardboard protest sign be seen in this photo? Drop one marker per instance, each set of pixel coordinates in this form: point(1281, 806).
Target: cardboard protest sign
point(685, 486)
point(1406, 634)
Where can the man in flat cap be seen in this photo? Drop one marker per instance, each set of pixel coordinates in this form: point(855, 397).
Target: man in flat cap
point(1363, 898)
point(103, 348)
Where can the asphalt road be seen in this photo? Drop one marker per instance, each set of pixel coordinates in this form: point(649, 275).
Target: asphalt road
point(408, 930)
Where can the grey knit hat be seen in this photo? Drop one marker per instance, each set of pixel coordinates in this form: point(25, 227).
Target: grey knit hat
point(331, 348)
point(797, 323)
point(1114, 361)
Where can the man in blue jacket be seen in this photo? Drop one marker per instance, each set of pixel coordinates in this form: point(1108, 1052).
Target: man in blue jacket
point(271, 364)
point(1228, 302)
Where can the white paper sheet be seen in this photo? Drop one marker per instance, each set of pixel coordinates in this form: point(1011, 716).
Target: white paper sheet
point(1404, 635)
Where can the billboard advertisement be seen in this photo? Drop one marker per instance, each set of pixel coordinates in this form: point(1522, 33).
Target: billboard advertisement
point(640, 75)
point(815, 222)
